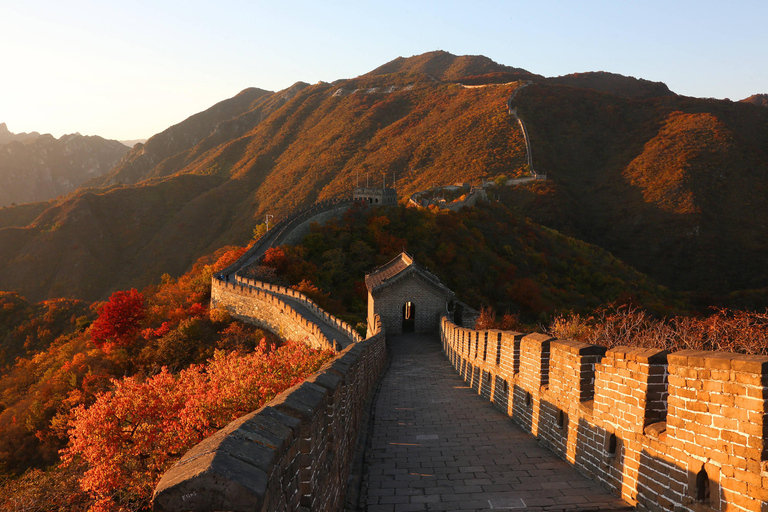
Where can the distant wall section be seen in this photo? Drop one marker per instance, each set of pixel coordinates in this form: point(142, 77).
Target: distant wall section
point(284, 229)
point(264, 309)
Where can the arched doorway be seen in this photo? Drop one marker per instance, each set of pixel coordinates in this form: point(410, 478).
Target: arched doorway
point(409, 317)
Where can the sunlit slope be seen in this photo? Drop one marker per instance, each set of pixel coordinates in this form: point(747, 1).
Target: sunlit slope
point(674, 186)
point(316, 145)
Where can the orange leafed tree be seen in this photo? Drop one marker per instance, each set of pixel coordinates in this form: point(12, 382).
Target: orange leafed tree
point(132, 434)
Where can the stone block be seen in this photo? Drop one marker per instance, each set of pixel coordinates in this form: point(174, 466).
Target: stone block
point(213, 481)
point(302, 401)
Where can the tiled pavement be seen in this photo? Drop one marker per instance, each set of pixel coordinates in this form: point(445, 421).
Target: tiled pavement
point(436, 445)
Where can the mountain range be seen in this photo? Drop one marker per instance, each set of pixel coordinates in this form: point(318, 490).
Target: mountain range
point(7, 136)
point(36, 167)
point(675, 186)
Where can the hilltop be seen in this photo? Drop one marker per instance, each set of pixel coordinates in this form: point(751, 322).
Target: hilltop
point(619, 85)
point(659, 180)
point(757, 99)
point(443, 66)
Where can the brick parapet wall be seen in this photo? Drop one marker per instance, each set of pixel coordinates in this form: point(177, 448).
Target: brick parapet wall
point(294, 453)
point(717, 420)
point(319, 312)
point(631, 388)
point(265, 309)
point(572, 370)
point(606, 412)
point(532, 378)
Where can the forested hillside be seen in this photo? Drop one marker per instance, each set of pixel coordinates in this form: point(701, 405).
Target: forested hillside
point(674, 186)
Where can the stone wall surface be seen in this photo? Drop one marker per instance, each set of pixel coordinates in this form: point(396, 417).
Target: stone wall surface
point(295, 453)
point(429, 305)
point(686, 431)
point(282, 293)
point(264, 309)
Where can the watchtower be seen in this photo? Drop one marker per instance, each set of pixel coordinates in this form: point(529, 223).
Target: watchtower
point(407, 297)
point(373, 195)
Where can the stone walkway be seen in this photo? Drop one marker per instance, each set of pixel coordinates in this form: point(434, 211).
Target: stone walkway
point(436, 445)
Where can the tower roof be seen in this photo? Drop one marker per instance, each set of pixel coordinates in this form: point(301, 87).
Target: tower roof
point(396, 269)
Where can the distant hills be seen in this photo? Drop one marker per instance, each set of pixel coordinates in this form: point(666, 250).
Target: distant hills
point(36, 167)
point(629, 87)
point(133, 142)
point(675, 186)
point(7, 136)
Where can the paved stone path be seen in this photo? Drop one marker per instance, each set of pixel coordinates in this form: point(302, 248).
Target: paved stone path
point(436, 445)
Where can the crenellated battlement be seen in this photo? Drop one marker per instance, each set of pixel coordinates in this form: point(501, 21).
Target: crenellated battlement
point(319, 312)
point(275, 308)
point(683, 431)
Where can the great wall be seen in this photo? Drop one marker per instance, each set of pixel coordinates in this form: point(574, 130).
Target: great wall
point(684, 431)
point(664, 431)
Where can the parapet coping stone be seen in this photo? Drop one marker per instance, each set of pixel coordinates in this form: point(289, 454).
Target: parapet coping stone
point(237, 457)
point(720, 361)
point(341, 367)
point(328, 378)
point(538, 338)
point(302, 400)
point(577, 347)
point(638, 354)
point(234, 478)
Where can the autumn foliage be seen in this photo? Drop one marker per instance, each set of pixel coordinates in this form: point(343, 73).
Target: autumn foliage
point(614, 325)
point(489, 320)
point(487, 255)
point(119, 320)
point(133, 433)
point(125, 387)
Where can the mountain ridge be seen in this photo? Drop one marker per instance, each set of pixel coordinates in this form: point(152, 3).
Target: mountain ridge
point(265, 152)
point(43, 167)
point(757, 99)
point(7, 136)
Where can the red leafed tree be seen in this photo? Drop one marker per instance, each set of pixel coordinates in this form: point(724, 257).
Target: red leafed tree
point(276, 258)
point(119, 319)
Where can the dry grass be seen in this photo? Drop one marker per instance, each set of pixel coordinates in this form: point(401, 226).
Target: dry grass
point(724, 330)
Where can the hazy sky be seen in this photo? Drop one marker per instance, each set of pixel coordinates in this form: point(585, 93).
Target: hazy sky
point(127, 70)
